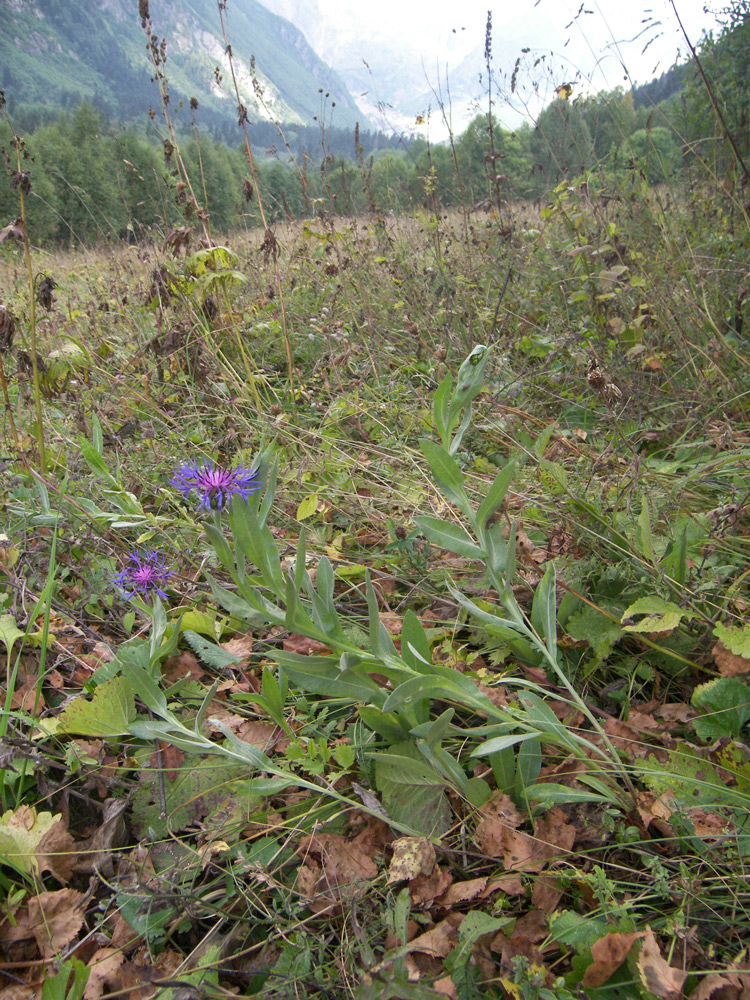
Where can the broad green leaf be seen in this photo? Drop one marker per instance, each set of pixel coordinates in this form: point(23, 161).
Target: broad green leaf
point(109, 713)
point(307, 507)
point(201, 784)
point(528, 766)
point(674, 562)
point(726, 700)
point(599, 631)
point(440, 402)
point(448, 536)
point(499, 743)
point(59, 986)
point(388, 725)
point(459, 689)
point(659, 615)
point(554, 477)
point(199, 621)
point(549, 793)
point(476, 924)
point(736, 638)
point(412, 792)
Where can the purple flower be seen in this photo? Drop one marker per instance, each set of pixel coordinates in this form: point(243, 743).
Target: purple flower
point(145, 573)
point(213, 482)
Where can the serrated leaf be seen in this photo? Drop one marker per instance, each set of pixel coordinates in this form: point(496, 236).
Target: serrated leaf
point(109, 713)
point(726, 700)
point(736, 638)
point(660, 615)
point(208, 652)
point(601, 633)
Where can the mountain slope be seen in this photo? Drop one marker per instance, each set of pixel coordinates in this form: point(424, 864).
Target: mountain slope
point(54, 52)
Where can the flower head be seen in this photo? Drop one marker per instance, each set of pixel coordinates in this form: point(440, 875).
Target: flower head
point(215, 483)
point(145, 573)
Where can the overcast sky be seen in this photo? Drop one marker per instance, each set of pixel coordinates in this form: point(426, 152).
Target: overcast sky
point(604, 34)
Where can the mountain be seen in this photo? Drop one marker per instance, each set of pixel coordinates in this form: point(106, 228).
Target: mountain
point(57, 52)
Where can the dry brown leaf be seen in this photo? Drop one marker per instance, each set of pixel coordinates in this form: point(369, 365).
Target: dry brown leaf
point(104, 972)
point(242, 646)
point(412, 856)
point(20, 991)
point(344, 866)
point(657, 975)
point(462, 892)
point(673, 712)
point(446, 986)
point(437, 941)
point(303, 646)
point(719, 986)
point(182, 665)
point(546, 893)
point(729, 664)
point(497, 816)
point(511, 885)
point(608, 953)
point(55, 919)
point(552, 837)
point(57, 853)
point(169, 758)
point(109, 836)
point(424, 889)
point(264, 735)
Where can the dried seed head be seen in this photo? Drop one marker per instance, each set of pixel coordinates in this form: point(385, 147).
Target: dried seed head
point(611, 394)
point(596, 377)
point(7, 328)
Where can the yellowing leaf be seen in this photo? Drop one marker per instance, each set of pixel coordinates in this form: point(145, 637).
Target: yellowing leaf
point(308, 506)
point(109, 713)
point(659, 615)
point(23, 832)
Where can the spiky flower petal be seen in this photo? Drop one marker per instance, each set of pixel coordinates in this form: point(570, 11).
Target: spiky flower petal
point(215, 485)
point(145, 574)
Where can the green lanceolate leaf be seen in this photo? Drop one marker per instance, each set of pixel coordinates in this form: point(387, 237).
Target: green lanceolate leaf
point(496, 493)
point(323, 675)
point(440, 402)
point(543, 610)
point(448, 536)
point(448, 476)
point(415, 646)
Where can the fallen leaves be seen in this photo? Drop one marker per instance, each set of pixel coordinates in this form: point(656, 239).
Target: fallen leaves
point(657, 975)
point(36, 842)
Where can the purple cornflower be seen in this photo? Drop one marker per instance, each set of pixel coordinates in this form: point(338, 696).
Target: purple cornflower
point(145, 573)
point(213, 482)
